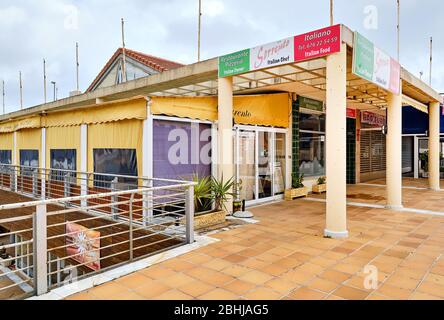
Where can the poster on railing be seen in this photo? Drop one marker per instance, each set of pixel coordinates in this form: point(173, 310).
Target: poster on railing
point(83, 245)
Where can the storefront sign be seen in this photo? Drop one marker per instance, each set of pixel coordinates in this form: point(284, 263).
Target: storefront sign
point(374, 65)
point(318, 43)
point(351, 113)
point(83, 245)
point(311, 104)
point(307, 46)
point(272, 54)
point(235, 63)
point(373, 119)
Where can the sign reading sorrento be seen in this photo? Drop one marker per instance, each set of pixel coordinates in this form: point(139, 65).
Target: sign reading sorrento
point(311, 45)
point(374, 65)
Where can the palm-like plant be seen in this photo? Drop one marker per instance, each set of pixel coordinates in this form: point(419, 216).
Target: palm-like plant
point(221, 191)
point(202, 193)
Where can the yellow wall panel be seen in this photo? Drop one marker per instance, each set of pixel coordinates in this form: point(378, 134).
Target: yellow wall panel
point(29, 139)
point(116, 135)
point(62, 138)
point(6, 141)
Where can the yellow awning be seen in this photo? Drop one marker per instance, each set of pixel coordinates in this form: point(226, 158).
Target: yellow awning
point(197, 108)
point(134, 109)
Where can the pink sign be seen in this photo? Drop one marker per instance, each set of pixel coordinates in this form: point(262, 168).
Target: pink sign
point(351, 113)
point(317, 43)
point(83, 245)
point(373, 119)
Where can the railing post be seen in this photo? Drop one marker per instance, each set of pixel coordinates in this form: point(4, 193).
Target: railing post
point(40, 250)
point(66, 185)
point(148, 203)
point(131, 235)
point(13, 179)
point(43, 183)
point(84, 178)
point(114, 199)
point(35, 179)
point(189, 212)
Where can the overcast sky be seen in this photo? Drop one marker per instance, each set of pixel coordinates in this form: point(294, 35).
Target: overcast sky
point(33, 30)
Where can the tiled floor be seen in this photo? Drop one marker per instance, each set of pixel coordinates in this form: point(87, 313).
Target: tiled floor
point(285, 256)
point(374, 192)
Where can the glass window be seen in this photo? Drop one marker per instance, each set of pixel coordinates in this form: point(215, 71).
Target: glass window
point(64, 159)
point(29, 158)
point(312, 144)
point(5, 156)
point(116, 162)
point(181, 149)
point(312, 122)
point(312, 154)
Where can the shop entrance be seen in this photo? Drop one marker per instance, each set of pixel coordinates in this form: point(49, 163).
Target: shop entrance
point(261, 166)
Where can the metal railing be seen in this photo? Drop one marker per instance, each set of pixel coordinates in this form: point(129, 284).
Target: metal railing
point(88, 223)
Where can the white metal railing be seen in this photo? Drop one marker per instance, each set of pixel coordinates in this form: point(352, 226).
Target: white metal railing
point(79, 231)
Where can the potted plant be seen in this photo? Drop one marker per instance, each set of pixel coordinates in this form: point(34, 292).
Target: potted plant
point(321, 186)
point(298, 189)
point(211, 193)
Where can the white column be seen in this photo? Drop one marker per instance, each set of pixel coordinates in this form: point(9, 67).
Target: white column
point(336, 136)
point(434, 146)
point(147, 165)
point(394, 151)
point(84, 163)
point(416, 157)
point(43, 164)
point(225, 133)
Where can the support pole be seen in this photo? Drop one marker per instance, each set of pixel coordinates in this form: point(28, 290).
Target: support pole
point(336, 134)
point(394, 151)
point(189, 212)
point(40, 250)
point(225, 134)
point(84, 164)
point(434, 146)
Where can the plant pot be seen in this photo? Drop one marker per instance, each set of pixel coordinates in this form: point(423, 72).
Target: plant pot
point(208, 219)
point(291, 194)
point(320, 188)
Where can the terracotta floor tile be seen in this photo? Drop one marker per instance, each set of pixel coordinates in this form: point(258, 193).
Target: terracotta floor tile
point(217, 264)
point(394, 292)
point(134, 280)
point(108, 290)
point(262, 294)
point(256, 277)
point(157, 272)
point(219, 294)
point(403, 282)
point(282, 286)
point(152, 289)
point(432, 289)
point(334, 276)
point(350, 293)
point(177, 280)
point(196, 288)
point(306, 294)
point(297, 277)
point(274, 269)
point(323, 285)
point(424, 296)
point(236, 271)
point(173, 295)
point(239, 287)
point(84, 296)
point(130, 296)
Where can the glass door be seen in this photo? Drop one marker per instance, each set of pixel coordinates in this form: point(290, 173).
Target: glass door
point(260, 163)
point(246, 164)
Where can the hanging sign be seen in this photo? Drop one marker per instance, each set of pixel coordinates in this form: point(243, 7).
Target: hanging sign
point(373, 119)
point(307, 46)
point(351, 113)
point(374, 65)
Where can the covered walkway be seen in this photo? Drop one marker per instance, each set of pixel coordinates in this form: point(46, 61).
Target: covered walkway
point(285, 256)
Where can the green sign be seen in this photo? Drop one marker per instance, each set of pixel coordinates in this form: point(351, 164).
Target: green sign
point(363, 60)
point(235, 63)
point(311, 104)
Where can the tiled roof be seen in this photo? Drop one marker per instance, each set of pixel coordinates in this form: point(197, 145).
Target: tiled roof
point(156, 63)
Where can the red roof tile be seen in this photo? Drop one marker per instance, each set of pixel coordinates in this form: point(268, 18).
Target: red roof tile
point(156, 63)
